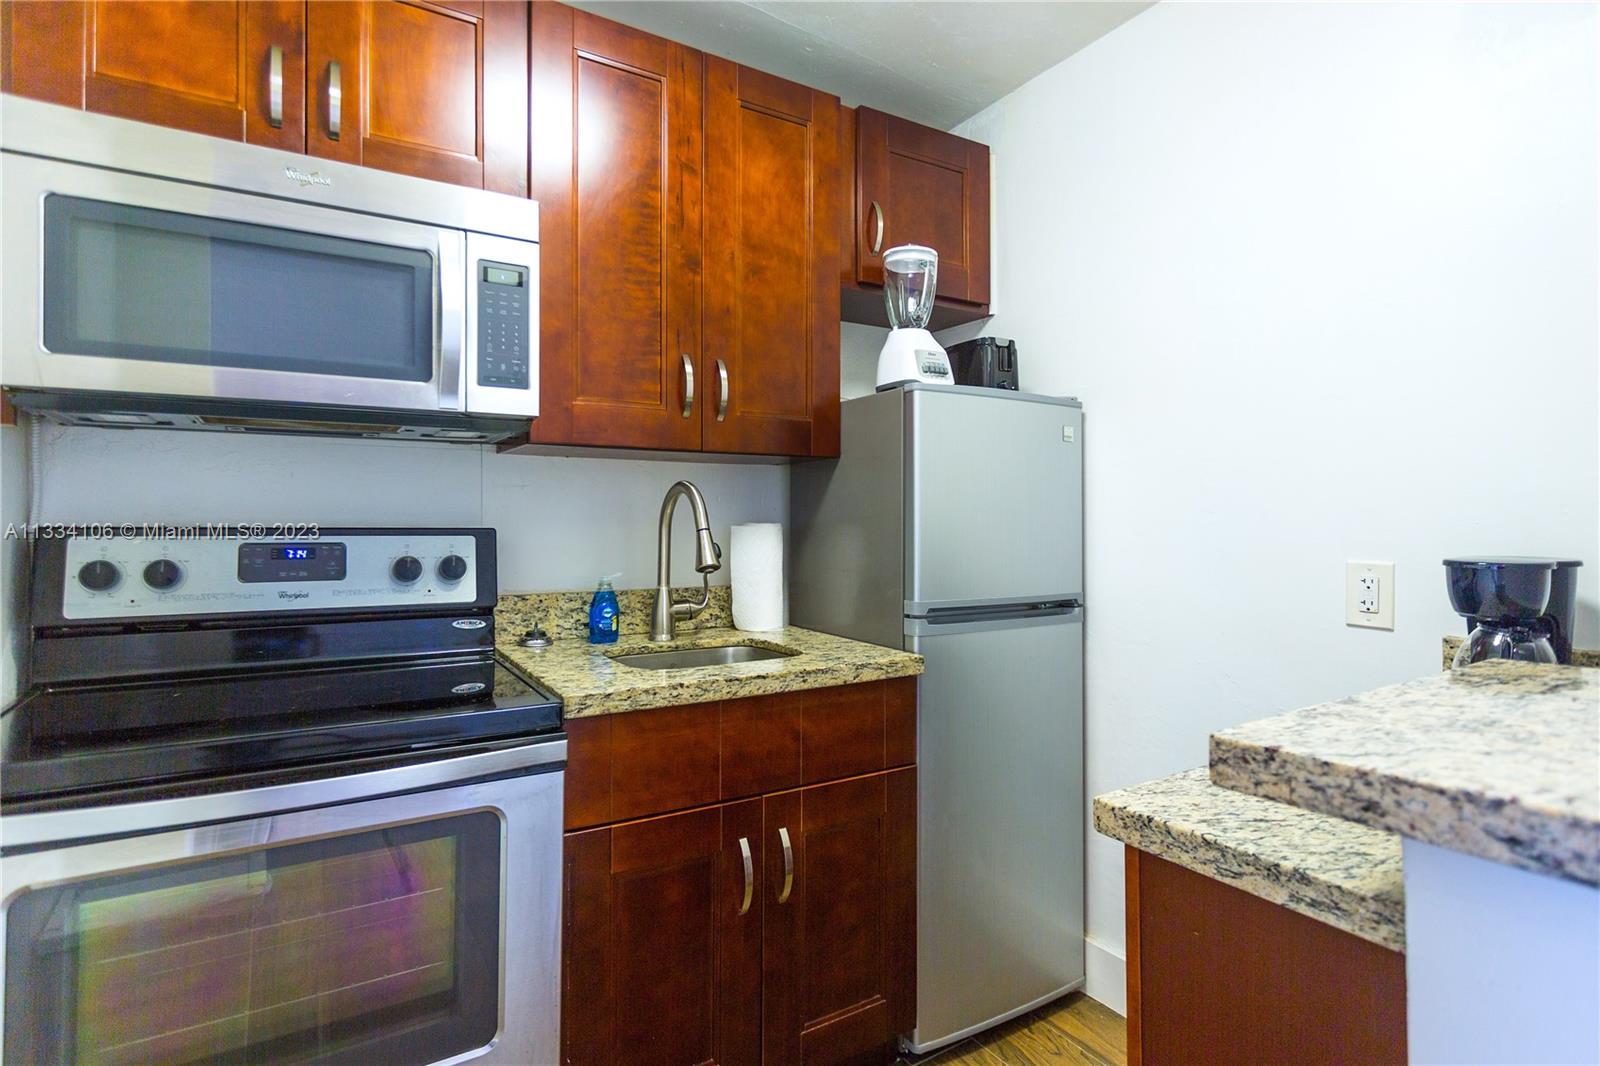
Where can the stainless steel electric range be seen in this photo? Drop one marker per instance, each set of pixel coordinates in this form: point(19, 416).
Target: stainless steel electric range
point(276, 798)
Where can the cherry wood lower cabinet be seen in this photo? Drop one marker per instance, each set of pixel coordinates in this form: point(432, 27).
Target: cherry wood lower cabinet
point(1218, 975)
point(778, 928)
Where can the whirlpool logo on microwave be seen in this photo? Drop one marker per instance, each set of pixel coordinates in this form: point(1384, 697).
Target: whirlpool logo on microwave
point(307, 178)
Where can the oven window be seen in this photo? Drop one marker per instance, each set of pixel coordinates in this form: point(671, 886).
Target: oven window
point(134, 283)
point(380, 946)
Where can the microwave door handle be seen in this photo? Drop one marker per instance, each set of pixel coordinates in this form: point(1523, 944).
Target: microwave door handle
point(452, 297)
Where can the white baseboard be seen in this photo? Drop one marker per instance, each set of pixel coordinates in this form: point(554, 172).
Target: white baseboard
point(1107, 976)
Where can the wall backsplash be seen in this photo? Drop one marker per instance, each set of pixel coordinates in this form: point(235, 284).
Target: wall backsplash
point(562, 522)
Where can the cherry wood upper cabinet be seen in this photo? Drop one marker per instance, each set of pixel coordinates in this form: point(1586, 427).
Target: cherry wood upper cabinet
point(918, 185)
point(839, 931)
point(772, 200)
point(661, 957)
point(227, 69)
point(431, 89)
point(616, 169)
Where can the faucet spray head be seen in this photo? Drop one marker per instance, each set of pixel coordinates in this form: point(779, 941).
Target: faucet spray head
point(707, 553)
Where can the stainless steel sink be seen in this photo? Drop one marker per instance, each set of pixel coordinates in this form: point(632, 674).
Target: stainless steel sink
point(687, 657)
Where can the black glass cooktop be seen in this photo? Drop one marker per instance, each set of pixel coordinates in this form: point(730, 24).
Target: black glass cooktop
point(61, 740)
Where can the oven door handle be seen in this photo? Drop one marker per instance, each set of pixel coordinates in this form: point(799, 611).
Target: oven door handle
point(148, 816)
point(452, 320)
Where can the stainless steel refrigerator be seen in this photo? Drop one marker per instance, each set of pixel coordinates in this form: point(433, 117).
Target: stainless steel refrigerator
point(952, 525)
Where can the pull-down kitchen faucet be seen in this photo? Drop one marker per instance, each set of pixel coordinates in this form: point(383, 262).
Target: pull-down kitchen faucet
point(707, 561)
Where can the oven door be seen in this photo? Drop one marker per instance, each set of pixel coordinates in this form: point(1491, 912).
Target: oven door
point(120, 283)
point(419, 927)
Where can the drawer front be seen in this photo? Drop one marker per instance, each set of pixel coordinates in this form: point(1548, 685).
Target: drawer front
point(642, 763)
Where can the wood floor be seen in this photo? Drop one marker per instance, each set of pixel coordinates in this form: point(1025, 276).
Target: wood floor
point(1075, 1030)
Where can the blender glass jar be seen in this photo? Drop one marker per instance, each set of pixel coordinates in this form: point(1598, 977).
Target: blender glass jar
point(910, 278)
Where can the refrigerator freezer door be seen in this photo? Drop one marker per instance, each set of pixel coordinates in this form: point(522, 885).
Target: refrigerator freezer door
point(1000, 820)
point(994, 506)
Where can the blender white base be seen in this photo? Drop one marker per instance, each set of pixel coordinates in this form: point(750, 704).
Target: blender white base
point(911, 354)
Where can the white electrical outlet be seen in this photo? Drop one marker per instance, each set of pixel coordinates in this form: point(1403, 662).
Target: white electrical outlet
point(1369, 595)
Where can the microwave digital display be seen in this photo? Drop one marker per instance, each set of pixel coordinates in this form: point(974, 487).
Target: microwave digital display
point(502, 276)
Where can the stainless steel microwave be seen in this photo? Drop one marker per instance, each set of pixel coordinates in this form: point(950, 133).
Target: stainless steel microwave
point(163, 278)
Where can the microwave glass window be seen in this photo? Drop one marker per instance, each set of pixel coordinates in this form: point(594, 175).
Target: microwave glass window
point(376, 946)
point(136, 283)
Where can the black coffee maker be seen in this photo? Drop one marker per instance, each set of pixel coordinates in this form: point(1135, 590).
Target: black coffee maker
point(1515, 607)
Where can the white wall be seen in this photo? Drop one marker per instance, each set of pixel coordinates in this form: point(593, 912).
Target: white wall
point(562, 522)
point(1304, 264)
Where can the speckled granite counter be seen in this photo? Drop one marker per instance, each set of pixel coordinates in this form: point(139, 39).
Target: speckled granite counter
point(1497, 760)
point(1335, 871)
point(589, 683)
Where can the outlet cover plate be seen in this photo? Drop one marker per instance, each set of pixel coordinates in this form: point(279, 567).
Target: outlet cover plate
point(1369, 595)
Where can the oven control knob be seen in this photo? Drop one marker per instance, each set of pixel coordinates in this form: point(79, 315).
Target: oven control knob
point(163, 574)
point(99, 575)
point(406, 569)
point(452, 568)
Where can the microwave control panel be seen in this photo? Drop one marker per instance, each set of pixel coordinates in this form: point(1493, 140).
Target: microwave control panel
point(503, 324)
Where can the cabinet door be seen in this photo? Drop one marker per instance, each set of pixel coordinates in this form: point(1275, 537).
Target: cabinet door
point(922, 186)
point(616, 171)
point(432, 89)
point(661, 954)
point(228, 69)
point(771, 359)
point(839, 959)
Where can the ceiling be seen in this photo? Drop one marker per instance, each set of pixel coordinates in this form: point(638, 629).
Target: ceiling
point(934, 62)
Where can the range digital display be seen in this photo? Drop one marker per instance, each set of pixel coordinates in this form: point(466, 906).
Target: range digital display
point(268, 562)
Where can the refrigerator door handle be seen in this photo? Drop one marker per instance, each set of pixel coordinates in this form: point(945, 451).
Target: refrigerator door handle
point(977, 622)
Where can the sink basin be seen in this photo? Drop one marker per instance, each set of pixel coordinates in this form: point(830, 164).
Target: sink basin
point(685, 658)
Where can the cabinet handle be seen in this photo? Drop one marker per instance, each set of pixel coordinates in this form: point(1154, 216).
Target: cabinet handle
point(275, 87)
point(877, 236)
point(749, 873)
point(335, 100)
point(788, 864)
point(688, 385)
point(722, 395)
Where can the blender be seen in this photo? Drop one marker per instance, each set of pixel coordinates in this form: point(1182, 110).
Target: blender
point(910, 280)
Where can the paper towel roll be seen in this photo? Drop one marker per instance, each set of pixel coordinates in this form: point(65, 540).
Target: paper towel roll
point(757, 576)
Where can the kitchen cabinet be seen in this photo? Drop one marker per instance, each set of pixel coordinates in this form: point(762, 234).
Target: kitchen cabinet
point(233, 70)
point(918, 185)
point(432, 89)
point(617, 173)
point(661, 945)
point(689, 241)
point(437, 90)
point(838, 934)
point(741, 880)
point(1218, 975)
point(772, 303)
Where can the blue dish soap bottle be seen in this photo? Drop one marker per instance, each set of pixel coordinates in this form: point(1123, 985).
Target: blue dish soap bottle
point(605, 621)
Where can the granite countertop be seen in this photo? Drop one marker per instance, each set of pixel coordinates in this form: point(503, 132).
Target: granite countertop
point(1497, 760)
point(590, 683)
point(1326, 868)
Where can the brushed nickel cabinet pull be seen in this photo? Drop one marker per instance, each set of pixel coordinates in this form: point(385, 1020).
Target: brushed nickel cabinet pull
point(335, 100)
point(877, 237)
point(688, 385)
point(275, 87)
point(722, 397)
point(788, 864)
point(749, 874)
